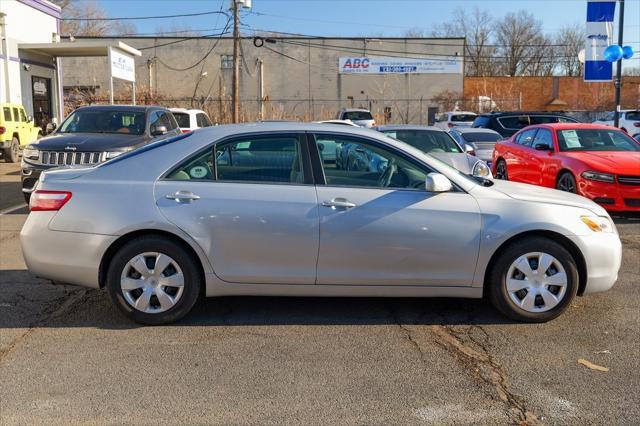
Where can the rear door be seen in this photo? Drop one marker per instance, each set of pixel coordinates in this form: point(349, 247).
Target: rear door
point(380, 227)
point(253, 210)
point(518, 156)
point(538, 160)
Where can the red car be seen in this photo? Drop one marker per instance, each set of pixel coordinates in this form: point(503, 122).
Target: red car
point(595, 161)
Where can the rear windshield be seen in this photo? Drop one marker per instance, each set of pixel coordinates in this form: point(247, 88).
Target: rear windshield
point(182, 119)
point(480, 137)
point(429, 141)
point(633, 115)
point(357, 115)
point(596, 140)
point(463, 117)
point(104, 121)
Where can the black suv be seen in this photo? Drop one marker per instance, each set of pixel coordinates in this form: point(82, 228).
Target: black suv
point(93, 134)
point(510, 122)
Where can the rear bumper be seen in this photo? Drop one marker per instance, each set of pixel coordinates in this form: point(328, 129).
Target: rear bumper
point(603, 255)
point(613, 197)
point(69, 257)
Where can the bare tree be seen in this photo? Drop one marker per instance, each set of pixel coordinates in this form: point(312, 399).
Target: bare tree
point(478, 29)
point(541, 59)
point(76, 9)
point(569, 41)
point(517, 34)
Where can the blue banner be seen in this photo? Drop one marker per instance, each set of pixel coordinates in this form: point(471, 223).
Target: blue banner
point(600, 15)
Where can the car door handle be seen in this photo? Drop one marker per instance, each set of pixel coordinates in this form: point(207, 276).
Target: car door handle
point(339, 203)
point(182, 196)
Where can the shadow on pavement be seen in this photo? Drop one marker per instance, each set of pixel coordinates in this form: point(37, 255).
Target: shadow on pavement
point(30, 302)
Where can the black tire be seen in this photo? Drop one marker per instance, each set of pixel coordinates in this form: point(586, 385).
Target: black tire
point(501, 170)
point(496, 285)
point(12, 154)
point(190, 270)
point(27, 197)
point(566, 182)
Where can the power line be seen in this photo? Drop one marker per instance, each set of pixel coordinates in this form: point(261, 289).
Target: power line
point(183, 40)
point(137, 18)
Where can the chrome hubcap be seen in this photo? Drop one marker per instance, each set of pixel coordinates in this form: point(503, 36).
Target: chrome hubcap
point(536, 282)
point(152, 282)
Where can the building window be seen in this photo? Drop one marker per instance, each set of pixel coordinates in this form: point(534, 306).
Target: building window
point(226, 62)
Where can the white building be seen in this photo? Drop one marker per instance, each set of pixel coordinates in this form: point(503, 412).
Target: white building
point(26, 77)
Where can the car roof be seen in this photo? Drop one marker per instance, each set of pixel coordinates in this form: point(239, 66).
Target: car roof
point(186, 110)
point(407, 127)
point(111, 107)
point(354, 110)
point(499, 113)
point(460, 112)
point(574, 126)
point(462, 130)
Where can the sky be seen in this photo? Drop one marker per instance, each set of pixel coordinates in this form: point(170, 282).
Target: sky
point(359, 17)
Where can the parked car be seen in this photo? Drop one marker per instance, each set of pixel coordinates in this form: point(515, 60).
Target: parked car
point(452, 119)
point(432, 141)
point(360, 117)
point(194, 224)
point(93, 134)
point(16, 131)
point(477, 141)
point(595, 161)
point(508, 123)
point(190, 119)
point(629, 120)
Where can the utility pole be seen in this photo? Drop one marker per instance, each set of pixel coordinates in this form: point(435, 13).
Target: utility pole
point(235, 91)
point(618, 81)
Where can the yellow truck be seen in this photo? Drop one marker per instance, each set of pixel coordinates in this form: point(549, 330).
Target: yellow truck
point(16, 131)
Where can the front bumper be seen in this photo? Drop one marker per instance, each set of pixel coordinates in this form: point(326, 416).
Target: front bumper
point(69, 257)
point(613, 197)
point(603, 255)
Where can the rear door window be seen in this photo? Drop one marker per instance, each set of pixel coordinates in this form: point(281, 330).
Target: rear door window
point(202, 120)
point(7, 114)
point(16, 114)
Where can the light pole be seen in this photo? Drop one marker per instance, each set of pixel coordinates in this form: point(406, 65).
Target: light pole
point(618, 82)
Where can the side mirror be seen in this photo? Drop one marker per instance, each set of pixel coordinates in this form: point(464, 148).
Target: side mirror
point(29, 119)
point(542, 147)
point(158, 130)
point(321, 147)
point(50, 127)
point(469, 149)
point(436, 182)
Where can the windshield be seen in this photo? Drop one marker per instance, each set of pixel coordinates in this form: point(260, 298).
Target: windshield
point(463, 117)
point(429, 141)
point(357, 115)
point(480, 137)
point(633, 115)
point(104, 121)
point(596, 140)
point(182, 119)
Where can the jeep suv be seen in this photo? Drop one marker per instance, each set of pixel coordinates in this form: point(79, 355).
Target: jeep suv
point(16, 131)
point(93, 134)
point(510, 122)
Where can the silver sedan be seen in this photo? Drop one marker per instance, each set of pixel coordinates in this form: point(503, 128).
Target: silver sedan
point(254, 210)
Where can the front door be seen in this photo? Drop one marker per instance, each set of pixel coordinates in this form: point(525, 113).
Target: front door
point(254, 210)
point(378, 226)
point(41, 88)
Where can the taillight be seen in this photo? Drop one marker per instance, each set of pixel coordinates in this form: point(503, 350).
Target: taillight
point(48, 200)
point(2, 130)
point(185, 130)
point(450, 125)
point(636, 124)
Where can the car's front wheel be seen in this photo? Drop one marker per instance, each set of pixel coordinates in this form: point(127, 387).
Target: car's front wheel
point(501, 170)
point(566, 182)
point(153, 280)
point(533, 280)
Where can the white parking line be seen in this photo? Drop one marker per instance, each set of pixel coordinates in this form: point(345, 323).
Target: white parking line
point(12, 209)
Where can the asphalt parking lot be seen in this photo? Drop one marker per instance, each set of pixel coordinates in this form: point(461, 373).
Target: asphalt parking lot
point(67, 356)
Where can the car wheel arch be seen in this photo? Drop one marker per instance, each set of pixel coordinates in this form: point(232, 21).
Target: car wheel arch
point(124, 239)
point(562, 171)
point(552, 235)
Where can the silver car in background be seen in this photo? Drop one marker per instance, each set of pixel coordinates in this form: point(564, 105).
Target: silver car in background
point(253, 210)
point(477, 141)
point(439, 144)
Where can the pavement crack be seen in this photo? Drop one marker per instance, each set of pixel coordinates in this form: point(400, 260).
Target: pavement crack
point(53, 310)
point(408, 336)
point(489, 371)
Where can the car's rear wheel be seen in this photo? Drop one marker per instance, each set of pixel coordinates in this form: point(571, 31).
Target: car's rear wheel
point(501, 170)
point(153, 280)
point(12, 153)
point(533, 280)
point(566, 182)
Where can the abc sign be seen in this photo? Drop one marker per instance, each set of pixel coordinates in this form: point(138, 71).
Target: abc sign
point(356, 63)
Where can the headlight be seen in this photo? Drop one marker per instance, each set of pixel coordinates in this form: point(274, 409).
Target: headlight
point(600, 177)
point(113, 154)
point(31, 153)
point(597, 223)
point(480, 169)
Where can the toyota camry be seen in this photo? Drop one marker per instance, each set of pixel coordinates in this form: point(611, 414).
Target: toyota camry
point(253, 210)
